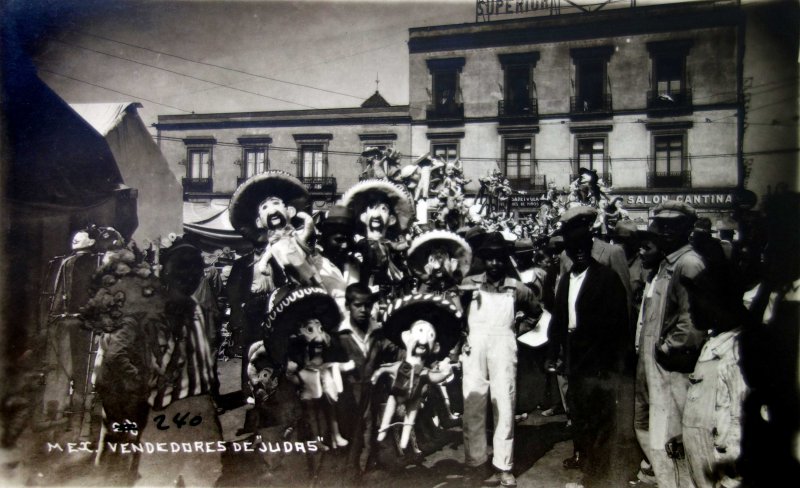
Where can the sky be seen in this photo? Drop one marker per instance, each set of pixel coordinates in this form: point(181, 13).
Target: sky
point(183, 56)
point(211, 56)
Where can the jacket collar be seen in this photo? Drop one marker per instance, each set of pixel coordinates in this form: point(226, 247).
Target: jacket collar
point(673, 258)
point(720, 345)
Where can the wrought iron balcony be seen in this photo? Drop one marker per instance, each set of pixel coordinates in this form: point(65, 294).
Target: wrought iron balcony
point(527, 108)
point(319, 184)
point(590, 105)
point(533, 183)
point(197, 185)
point(448, 111)
point(669, 100)
point(669, 179)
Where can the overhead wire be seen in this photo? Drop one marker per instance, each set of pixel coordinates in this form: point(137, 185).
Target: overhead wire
point(226, 68)
point(45, 70)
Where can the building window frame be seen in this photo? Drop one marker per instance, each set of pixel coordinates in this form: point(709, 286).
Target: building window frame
point(533, 181)
point(604, 169)
point(254, 145)
point(306, 143)
point(199, 164)
point(512, 104)
point(444, 105)
point(663, 53)
point(448, 144)
point(679, 177)
point(598, 102)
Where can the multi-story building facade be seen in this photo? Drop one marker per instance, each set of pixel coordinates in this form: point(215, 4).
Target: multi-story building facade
point(649, 97)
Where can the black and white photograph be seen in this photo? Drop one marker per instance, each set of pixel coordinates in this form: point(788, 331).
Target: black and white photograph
point(400, 243)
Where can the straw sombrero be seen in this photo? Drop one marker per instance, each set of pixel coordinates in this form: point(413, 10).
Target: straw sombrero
point(455, 246)
point(359, 196)
point(439, 311)
point(289, 306)
point(243, 208)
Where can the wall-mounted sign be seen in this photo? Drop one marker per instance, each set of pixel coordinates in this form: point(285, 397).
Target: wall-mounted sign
point(487, 8)
point(525, 201)
point(698, 200)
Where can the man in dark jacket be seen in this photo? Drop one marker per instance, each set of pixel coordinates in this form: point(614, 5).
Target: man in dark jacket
point(588, 330)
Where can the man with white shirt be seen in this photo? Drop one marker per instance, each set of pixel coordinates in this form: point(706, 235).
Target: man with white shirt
point(588, 331)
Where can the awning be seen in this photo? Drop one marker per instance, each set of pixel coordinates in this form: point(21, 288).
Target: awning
point(208, 225)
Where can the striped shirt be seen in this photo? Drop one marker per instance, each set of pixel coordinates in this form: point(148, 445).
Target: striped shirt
point(189, 369)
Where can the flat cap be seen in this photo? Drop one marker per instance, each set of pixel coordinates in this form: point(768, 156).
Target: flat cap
point(673, 209)
point(578, 215)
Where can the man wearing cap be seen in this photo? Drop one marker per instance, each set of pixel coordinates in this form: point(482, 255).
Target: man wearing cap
point(588, 330)
point(669, 342)
point(489, 358)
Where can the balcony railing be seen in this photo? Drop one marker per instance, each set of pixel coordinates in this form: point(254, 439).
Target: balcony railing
point(319, 184)
point(197, 185)
point(670, 100)
point(445, 112)
point(669, 179)
point(590, 105)
point(528, 108)
point(529, 184)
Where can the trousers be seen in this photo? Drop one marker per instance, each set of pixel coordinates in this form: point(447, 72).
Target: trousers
point(490, 369)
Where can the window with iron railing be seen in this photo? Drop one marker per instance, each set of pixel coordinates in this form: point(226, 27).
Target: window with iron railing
point(445, 89)
point(255, 161)
point(446, 151)
point(518, 160)
point(669, 164)
point(313, 161)
point(669, 79)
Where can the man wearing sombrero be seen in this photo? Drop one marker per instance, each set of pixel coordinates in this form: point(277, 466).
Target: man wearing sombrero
point(385, 210)
point(261, 210)
point(489, 359)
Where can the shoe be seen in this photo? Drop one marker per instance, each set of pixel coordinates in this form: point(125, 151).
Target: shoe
point(507, 479)
point(557, 410)
point(474, 475)
point(575, 462)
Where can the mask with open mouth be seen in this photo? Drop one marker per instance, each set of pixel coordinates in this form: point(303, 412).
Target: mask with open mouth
point(276, 220)
point(376, 224)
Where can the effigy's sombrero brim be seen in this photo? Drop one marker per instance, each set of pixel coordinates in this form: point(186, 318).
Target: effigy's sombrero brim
point(439, 311)
point(455, 245)
point(243, 208)
point(359, 196)
point(292, 306)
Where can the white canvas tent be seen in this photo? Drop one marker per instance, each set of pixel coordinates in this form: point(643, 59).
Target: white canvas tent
point(142, 165)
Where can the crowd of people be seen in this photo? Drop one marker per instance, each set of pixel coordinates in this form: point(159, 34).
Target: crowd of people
point(381, 333)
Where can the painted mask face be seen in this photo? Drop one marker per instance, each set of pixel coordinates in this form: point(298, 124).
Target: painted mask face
point(313, 333)
point(272, 214)
point(420, 339)
point(378, 217)
point(440, 265)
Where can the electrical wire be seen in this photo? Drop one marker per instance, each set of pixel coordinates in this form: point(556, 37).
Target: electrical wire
point(226, 68)
point(44, 70)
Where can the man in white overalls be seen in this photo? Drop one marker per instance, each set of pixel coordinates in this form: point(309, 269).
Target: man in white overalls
point(489, 359)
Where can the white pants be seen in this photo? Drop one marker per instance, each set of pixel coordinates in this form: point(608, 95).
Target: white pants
point(490, 367)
